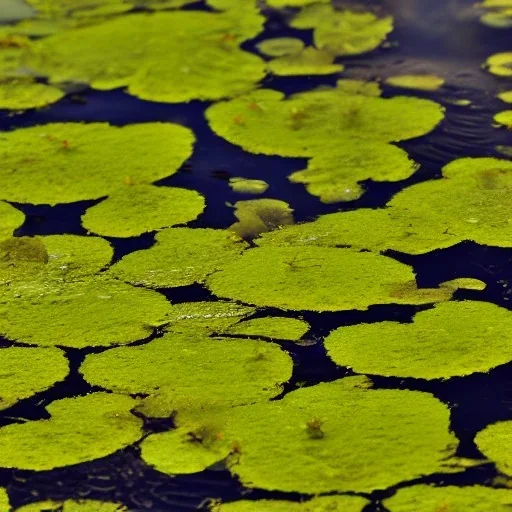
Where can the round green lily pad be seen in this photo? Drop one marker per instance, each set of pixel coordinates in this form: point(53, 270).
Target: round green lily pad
point(247, 186)
point(257, 216)
point(500, 64)
point(280, 46)
point(354, 87)
point(137, 209)
point(23, 95)
point(4, 500)
point(67, 162)
point(505, 96)
point(319, 279)
point(317, 122)
point(73, 506)
point(504, 118)
point(420, 82)
point(79, 430)
point(343, 32)
point(227, 372)
point(27, 371)
point(133, 51)
point(293, 3)
point(181, 256)
point(79, 8)
point(428, 498)
point(453, 339)
point(308, 61)
point(274, 327)
point(495, 442)
point(10, 220)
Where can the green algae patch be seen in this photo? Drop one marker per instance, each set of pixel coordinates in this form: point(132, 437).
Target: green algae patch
point(181, 256)
point(133, 210)
point(279, 328)
point(257, 216)
point(505, 96)
point(343, 32)
point(500, 64)
point(67, 162)
point(280, 46)
point(452, 340)
point(79, 430)
point(21, 94)
point(338, 436)
point(427, 498)
point(335, 175)
point(27, 371)
point(73, 506)
point(248, 186)
point(10, 220)
point(319, 279)
point(504, 118)
point(309, 61)
point(133, 51)
point(494, 441)
point(227, 372)
point(212, 317)
point(322, 504)
point(311, 123)
point(419, 82)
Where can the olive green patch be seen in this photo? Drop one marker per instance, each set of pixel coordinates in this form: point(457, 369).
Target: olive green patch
point(228, 372)
point(309, 61)
point(427, 498)
point(21, 94)
point(494, 441)
point(420, 82)
point(10, 220)
point(500, 64)
point(504, 118)
point(293, 3)
point(257, 216)
point(67, 162)
point(247, 186)
point(280, 46)
point(452, 340)
point(355, 87)
point(181, 256)
point(79, 430)
point(73, 506)
point(274, 327)
point(505, 96)
point(27, 371)
point(133, 210)
point(319, 279)
point(4, 500)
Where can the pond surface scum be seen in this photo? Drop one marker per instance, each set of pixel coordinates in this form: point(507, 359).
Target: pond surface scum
point(255, 255)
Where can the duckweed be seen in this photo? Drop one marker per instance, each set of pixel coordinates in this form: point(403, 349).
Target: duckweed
point(428, 498)
point(181, 256)
point(10, 220)
point(421, 82)
point(67, 162)
point(247, 186)
point(453, 339)
point(308, 61)
point(79, 430)
point(319, 279)
point(274, 327)
point(133, 210)
point(73, 506)
point(27, 371)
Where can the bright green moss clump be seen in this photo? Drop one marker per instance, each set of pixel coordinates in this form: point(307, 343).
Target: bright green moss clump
point(427, 498)
point(26, 371)
point(73, 506)
point(421, 82)
point(133, 210)
point(319, 279)
point(10, 220)
point(495, 443)
point(181, 256)
point(79, 430)
point(275, 327)
point(453, 339)
point(67, 162)
point(500, 64)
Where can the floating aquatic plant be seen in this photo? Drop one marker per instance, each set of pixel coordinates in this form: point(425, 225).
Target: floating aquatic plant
point(453, 339)
point(421, 82)
point(78, 430)
point(504, 118)
point(494, 442)
point(136, 209)
point(10, 220)
point(4, 500)
point(293, 3)
point(505, 96)
point(73, 506)
point(308, 61)
point(274, 327)
point(67, 162)
point(498, 15)
point(248, 186)
point(23, 94)
point(280, 46)
point(500, 64)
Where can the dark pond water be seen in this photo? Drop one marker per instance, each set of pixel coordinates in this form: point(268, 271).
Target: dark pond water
point(442, 37)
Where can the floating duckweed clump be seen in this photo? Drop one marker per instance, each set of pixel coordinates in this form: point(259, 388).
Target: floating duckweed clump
point(420, 82)
point(505, 96)
point(319, 279)
point(23, 94)
point(343, 32)
point(500, 64)
point(308, 61)
point(181, 256)
point(27, 371)
point(228, 372)
point(338, 436)
point(322, 504)
point(137, 209)
point(274, 327)
point(133, 51)
point(67, 162)
point(247, 186)
point(453, 339)
point(73, 506)
point(280, 46)
point(10, 220)
point(257, 216)
point(495, 442)
point(79, 430)
point(428, 498)
point(504, 118)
